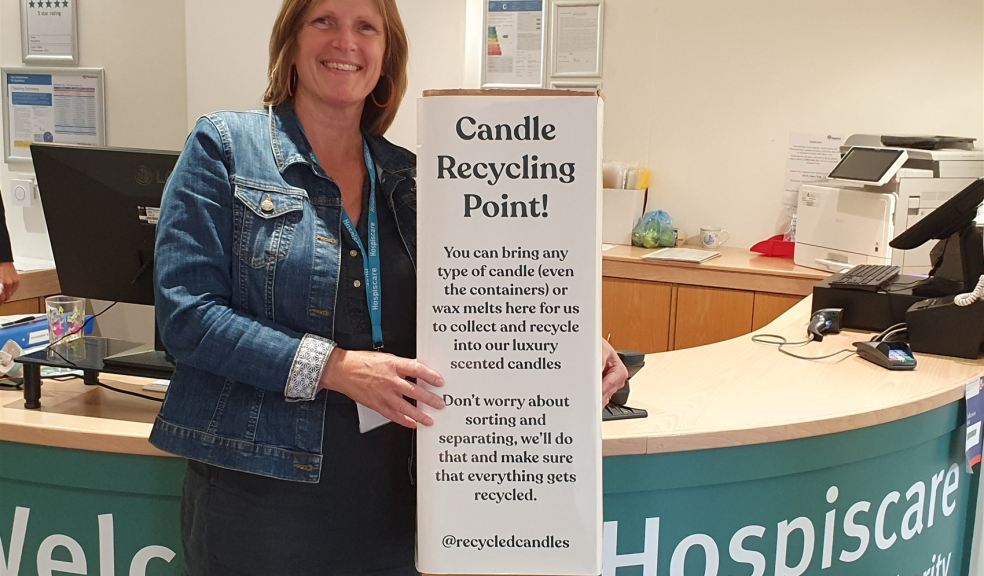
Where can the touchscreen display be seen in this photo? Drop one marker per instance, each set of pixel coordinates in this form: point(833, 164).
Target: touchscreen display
point(865, 164)
point(899, 356)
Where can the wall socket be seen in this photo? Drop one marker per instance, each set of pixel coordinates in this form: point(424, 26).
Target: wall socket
point(22, 191)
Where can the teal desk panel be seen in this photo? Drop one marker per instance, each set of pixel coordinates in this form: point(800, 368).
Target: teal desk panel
point(78, 512)
point(890, 500)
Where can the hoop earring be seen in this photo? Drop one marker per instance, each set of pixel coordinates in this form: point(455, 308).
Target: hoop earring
point(389, 97)
point(291, 81)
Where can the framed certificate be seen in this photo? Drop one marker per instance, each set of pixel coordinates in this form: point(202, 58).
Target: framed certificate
point(49, 32)
point(62, 105)
point(576, 37)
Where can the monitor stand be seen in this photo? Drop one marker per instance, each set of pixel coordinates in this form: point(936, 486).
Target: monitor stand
point(143, 357)
point(958, 263)
point(140, 358)
point(89, 355)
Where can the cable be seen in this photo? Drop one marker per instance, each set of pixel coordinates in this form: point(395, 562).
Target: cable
point(129, 393)
point(75, 366)
point(893, 329)
point(778, 340)
point(973, 296)
point(781, 341)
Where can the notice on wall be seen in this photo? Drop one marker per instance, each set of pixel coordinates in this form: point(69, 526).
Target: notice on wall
point(47, 105)
point(577, 40)
point(508, 284)
point(514, 43)
point(810, 158)
point(48, 31)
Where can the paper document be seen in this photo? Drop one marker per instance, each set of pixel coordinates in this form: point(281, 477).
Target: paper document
point(682, 254)
point(811, 157)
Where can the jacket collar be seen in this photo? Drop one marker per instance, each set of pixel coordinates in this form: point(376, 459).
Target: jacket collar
point(290, 145)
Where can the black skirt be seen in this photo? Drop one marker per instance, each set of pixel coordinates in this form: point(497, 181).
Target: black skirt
point(360, 519)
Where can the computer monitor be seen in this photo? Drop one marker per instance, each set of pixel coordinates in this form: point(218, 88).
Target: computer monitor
point(101, 206)
point(958, 259)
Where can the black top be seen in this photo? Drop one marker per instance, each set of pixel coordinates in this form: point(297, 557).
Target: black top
point(6, 254)
point(353, 330)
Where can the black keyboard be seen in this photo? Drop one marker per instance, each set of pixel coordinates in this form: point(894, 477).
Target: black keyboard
point(869, 277)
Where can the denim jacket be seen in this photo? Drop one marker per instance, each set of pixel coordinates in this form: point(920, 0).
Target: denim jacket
point(247, 262)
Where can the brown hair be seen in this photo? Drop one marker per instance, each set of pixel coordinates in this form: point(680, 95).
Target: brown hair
point(392, 83)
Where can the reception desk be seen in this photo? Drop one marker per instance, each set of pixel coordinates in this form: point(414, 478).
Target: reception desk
point(751, 462)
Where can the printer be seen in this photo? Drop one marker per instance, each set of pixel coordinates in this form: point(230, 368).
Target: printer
point(876, 192)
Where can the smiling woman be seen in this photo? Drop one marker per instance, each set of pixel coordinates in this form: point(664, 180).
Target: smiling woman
point(283, 363)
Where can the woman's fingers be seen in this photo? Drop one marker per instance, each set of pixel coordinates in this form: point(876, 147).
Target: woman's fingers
point(420, 372)
point(405, 414)
point(421, 394)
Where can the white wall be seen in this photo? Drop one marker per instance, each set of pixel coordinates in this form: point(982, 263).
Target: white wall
point(706, 93)
point(141, 46)
point(227, 68)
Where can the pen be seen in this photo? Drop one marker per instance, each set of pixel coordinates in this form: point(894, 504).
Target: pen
point(23, 320)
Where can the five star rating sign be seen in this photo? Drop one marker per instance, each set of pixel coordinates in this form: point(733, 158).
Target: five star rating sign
point(48, 4)
point(49, 28)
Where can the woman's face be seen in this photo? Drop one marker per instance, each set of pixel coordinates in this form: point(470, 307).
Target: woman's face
point(339, 53)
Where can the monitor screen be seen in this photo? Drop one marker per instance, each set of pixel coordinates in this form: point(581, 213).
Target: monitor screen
point(101, 207)
point(866, 164)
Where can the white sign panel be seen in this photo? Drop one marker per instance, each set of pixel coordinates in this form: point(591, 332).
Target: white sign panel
point(52, 105)
point(508, 284)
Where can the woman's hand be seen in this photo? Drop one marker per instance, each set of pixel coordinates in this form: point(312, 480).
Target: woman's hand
point(613, 372)
point(9, 280)
point(380, 381)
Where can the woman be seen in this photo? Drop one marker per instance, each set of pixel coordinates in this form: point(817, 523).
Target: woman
point(262, 300)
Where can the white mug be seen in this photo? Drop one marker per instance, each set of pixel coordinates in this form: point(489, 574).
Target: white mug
point(712, 237)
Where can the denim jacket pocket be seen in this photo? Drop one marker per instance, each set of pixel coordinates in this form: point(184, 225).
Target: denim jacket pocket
point(265, 219)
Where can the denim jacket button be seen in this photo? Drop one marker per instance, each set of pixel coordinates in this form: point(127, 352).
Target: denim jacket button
point(357, 283)
point(353, 253)
point(267, 205)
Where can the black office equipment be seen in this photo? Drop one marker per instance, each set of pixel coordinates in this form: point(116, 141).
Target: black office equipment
point(101, 206)
point(864, 310)
point(938, 326)
point(929, 142)
point(870, 277)
point(890, 355)
point(958, 259)
point(616, 408)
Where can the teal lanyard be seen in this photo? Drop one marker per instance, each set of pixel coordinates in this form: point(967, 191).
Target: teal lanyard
point(370, 260)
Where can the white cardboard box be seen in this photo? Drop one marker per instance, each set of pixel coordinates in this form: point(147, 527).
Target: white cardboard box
point(508, 311)
point(621, 211)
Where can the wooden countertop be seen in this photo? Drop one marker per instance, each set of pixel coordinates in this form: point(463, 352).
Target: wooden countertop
point(81, 417)
point(729, 393)
point(739, 392)
point(735, 268)
point(37, 283)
